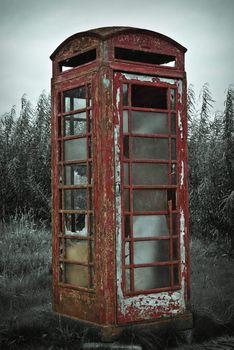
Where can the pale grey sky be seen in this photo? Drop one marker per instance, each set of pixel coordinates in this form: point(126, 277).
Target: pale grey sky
point(30, 30)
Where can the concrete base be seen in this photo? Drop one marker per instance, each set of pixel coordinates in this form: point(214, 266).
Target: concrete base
point(110, 346)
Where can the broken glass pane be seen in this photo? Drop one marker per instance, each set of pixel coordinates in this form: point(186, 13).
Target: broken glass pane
point(75, 224)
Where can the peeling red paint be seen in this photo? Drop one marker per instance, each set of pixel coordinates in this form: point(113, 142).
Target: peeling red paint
point(106, 301)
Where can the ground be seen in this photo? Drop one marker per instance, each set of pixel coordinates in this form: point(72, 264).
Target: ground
point(28, 322)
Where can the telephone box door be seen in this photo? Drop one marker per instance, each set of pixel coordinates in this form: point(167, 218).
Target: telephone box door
point(150, 206)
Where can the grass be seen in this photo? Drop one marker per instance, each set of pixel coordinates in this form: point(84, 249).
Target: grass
point(26, 318)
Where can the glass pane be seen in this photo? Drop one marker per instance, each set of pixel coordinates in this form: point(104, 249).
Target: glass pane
point(125, 94)
point(173, 174)
point(172, 99)
point(149, 96)
point(152, 277)
point(149, 200)
point(90, 199)
point(75, 224)
point(89, 96)
point(127, 226)
point(74, 99)
point(91, 225)
point(173, 149)
point(91, 251)
point(75, 199)
point(126, 146)
point(77, 275)
point(174, 224)
point(125, 121)
point(59, 151)
point(75, 149)
point(149, 148)
point(175, 249)
point(91, 271)
point(76, 250)
point(59, 127)
point(90, 147)
point(127, 253)
point(149, 174)
point(173, 123)
point(149, 123)
point(126, 200)
point(61, 270)
point(75, 174)
point(127, 276)
point(126, 174)
point(75, 124)
point(176, 275)
point(90, 121)
point(171, 196)
point(151, 251)
point(150, 225)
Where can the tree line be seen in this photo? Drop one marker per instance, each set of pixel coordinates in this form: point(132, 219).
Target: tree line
point(25, 182)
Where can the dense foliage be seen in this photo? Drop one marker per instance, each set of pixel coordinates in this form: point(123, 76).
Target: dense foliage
point(211, 166)
point(25, 159)
point(25, 162)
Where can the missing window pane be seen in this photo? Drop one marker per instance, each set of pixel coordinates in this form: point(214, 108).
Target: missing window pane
point(144, 57)
point(78, 60)
point(149, 96)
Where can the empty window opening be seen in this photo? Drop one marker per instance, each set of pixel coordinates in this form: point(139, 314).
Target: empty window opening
point(77, 60)
point(144, 57)
point(149, 96)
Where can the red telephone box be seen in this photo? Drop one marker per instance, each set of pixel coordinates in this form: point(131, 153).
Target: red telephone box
point(119, 172)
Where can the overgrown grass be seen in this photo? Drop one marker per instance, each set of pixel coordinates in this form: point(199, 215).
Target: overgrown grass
point(26, 318)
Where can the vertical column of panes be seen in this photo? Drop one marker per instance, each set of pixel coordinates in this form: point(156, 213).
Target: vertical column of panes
point(150, 185)
point(75, 187)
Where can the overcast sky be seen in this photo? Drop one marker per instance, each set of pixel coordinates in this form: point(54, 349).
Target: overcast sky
point(30, 30)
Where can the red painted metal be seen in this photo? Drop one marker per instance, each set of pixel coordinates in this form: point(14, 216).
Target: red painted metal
point(101, 301)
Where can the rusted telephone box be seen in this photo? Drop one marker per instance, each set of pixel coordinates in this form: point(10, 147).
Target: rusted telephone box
point(119, 171)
